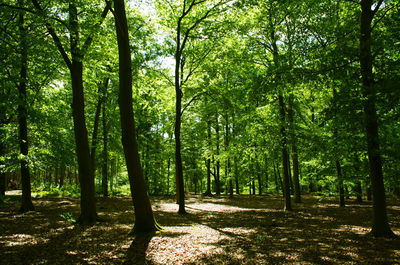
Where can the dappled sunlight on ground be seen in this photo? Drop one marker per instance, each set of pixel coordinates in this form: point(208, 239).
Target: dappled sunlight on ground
point(217, 230)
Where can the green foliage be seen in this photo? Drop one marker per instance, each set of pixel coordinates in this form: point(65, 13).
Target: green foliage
point(231, 78)
point(68, 217)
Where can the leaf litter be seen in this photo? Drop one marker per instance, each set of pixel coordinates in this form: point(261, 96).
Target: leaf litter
point(217, 230)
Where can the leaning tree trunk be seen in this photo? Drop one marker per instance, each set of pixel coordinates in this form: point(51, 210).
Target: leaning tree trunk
point(144, 220)
point(102, 87)
point(380, 226)
point(26, 200)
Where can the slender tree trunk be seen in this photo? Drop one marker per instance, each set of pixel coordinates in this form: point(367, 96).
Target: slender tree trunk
point(295, 159)
point(144, 220)
point(236, 175)
point(208, 161)
point(228, 163)
point(3, 182)
point(358, 191)
point(104, 180)
point(217, 176)
point(340, 180)
point(258, 171)
point(290, 175)
point(56, 176)
point(276, 179)
point(285, 169)
point(266, 173)
point(180, 188)
point(26, 200)
point(62, 176)
point(168, 173)
point(380, 226)
point(95, 131)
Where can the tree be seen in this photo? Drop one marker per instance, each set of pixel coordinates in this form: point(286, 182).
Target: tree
point(144, 220)
point(380, 226)
point(75, 66)
point(26, 202)
point(185, 22)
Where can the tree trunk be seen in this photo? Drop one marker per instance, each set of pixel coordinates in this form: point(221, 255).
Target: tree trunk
point(285, 169)
point(258, 171)
point(276, 179)
point(3, 182)
point(266, 173)
point(180, 188)
point(340, 181)
point(236, 175)
point(26, 200)
point(95, 131)
point(208, 161)
point(217, 176)
point(290, 175)
point(104, 180)
point(380, 226)
point(295, 159)
point(168, 173)
point(144, 220)
point(86, 175)
point(62, 176)
point(358, 191)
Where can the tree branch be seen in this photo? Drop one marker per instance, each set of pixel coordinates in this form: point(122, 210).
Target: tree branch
point(33, 12)
point(378, 5)
point(190, 101)
point(54, 36)
point(89, 39)
point(383, 15)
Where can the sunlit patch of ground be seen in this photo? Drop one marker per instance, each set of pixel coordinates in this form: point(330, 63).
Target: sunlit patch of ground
point(217, 230)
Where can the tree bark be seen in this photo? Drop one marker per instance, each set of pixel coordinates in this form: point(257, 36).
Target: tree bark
point(26, 200)
point(285, 169)
point(180, 188)
point(276, 179)
point(340, 180)
point(358, 191)
point(295, 159)
point(266, 173)
point(86, 175)
point(168, 173)
point(236, 175)
point(104, 180)
point(258, 170)
point(208, 161)
point(101, 88)
point(217, 175)
point(380, 226)
point(144, 220)
point(2, 171)
point(62, 176)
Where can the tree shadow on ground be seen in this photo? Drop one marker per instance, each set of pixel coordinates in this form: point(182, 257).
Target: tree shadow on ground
point(136, 253)
point(316, 234)
point(217, 230)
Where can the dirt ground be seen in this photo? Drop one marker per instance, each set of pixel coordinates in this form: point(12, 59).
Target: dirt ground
point(217, 230)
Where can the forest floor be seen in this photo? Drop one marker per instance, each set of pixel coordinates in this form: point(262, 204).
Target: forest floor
point(217, 230)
